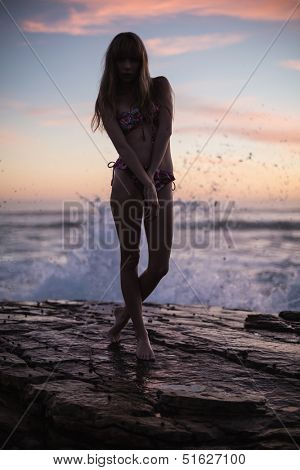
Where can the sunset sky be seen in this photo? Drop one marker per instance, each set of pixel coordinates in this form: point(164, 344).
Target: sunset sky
point(232, 61)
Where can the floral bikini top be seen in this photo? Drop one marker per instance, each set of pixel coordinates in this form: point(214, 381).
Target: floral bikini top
point(130, 120)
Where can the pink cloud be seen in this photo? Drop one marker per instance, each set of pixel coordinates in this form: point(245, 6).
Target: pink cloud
point(254, 125)
point(50, 115)
point(88, 17)
point(260, 134)
point(291, 64)
point(11, 137)
point(169, 46)
point(10, 103)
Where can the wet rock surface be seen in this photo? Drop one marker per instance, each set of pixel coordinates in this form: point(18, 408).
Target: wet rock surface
point(222, 379)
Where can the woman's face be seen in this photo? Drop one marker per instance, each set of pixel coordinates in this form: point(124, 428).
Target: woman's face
point(127, 68)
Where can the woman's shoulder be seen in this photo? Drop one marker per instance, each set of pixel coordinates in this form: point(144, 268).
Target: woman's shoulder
point(162, 87)
point(161, 81)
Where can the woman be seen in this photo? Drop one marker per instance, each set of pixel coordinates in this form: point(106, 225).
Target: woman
point(137, 112)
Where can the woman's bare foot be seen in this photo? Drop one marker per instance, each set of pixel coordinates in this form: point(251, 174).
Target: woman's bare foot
point(144, 350)
point(121, 319)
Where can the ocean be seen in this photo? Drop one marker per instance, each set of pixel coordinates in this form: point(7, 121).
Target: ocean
point(238, 257)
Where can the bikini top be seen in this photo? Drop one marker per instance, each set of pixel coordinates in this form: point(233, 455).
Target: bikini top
point(130, 120)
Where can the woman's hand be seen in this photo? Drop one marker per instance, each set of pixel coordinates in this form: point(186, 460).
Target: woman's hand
point(151, 200)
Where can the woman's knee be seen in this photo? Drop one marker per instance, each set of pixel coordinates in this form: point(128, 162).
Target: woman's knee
point(130, 260)
point(159, 269)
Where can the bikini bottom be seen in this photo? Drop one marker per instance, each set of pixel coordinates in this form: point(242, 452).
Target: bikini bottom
point(160, 178)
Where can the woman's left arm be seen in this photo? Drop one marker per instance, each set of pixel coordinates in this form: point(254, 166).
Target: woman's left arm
point(164, 130)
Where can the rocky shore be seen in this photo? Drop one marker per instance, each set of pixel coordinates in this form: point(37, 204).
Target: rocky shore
point(222, 379)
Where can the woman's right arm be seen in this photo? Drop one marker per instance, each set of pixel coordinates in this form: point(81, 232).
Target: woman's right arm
point(125, 151)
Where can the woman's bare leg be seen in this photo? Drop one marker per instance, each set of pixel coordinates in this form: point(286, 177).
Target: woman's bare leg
point(159, 233)
point(128, 213)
